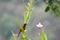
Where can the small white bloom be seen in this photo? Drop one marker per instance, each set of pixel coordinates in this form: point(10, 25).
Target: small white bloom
point(39, 25)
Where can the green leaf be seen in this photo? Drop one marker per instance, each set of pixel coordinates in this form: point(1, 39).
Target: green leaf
point(57, 12)
point(47, 9)
point(25, 17)
point(19, 24)
point(43, 35)
point(50, 2)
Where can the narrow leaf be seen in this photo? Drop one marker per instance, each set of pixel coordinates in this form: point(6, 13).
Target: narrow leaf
point(19, 24)
point(43, 35)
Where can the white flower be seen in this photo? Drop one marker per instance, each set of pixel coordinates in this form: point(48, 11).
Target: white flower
point(39, 25)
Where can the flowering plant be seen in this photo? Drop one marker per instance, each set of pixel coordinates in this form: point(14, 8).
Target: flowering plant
point(27, 14)
point(42, 34)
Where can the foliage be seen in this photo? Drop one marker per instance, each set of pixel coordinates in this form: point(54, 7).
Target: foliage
point(43, 35)
point(53, 5)
point(27, 15)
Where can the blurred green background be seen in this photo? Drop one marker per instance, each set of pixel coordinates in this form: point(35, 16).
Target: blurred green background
point(10, 10)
